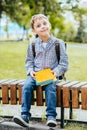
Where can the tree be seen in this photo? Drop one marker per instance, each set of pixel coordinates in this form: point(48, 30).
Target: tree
point(21, 11)
point(82, 24)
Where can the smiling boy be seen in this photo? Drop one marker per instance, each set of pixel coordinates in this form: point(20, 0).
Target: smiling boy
point(45, 57)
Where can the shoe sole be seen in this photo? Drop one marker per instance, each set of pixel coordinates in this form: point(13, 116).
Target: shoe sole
point(20, 122)
point(51, 125)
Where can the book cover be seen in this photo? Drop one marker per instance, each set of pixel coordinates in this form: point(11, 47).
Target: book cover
point(44, 77)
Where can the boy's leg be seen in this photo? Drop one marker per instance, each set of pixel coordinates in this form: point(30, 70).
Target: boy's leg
point(50, 91)
point(27, 90)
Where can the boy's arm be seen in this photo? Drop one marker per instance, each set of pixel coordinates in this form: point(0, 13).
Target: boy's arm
point(63, 63)
point(29, 63)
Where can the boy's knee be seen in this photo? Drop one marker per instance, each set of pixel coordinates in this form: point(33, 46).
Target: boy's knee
point(51, 87)
point(27, 86)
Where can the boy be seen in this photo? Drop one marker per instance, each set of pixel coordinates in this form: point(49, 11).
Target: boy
point(45, 56)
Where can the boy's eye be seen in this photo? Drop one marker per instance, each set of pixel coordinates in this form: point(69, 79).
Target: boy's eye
point(38, 25)
point(44, 23)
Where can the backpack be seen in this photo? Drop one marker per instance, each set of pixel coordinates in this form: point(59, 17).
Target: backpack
point(57, 49)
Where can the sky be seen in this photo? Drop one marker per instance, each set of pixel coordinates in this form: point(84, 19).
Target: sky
point(83, 3)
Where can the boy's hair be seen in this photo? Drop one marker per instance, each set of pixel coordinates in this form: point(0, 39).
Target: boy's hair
point(34, 17)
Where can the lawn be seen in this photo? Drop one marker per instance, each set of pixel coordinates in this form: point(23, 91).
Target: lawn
point(13, 54)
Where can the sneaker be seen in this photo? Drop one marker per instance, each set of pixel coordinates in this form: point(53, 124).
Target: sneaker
point(20, 121)
point(51, 123)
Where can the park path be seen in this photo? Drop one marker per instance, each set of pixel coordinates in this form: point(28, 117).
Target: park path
point(82, 46)
point(40, 112)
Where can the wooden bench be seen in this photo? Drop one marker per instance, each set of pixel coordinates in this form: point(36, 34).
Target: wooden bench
point(70, 94)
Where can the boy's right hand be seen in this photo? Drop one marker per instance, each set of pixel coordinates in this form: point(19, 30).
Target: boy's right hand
point(32, 73)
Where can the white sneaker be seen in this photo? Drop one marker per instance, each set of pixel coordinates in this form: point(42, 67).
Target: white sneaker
point(20, 121)
point(51, 123)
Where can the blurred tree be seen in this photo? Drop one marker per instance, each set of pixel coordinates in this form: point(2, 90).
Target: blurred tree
point(69, 32)
point(21, 11)
point(79, 13)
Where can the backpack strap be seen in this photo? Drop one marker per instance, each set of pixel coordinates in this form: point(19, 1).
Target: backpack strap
point(57, 49)
point(33, 49)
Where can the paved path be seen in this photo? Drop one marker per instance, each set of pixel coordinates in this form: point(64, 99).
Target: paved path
point(40, 112)
point(82, 46)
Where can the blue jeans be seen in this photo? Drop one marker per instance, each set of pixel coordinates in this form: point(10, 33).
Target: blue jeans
point(50, 92)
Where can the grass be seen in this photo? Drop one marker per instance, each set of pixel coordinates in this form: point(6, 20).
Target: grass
point(74, 126)
point(77, 63)
point(12, 58)
point(12, 61)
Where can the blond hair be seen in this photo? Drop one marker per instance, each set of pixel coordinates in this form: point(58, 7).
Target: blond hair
point(34, 17)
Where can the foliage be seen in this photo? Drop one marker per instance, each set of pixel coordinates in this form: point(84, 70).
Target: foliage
point(20, 11)
point(68, 31)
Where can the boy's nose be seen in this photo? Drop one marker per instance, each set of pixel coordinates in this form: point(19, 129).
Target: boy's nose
point(43, 26)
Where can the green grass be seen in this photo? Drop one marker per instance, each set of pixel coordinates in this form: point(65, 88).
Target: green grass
point(12, 59)
point(74, 126)
point(13, 54)
point(77, 63)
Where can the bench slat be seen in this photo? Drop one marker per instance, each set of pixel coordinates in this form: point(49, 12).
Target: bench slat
point(13, 94)
point(5, 94)
point(76, 95)
point(66, 93)
point(59, 86)
point(84, 97)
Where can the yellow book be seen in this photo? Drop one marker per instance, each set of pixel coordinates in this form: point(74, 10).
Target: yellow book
point(44, 77)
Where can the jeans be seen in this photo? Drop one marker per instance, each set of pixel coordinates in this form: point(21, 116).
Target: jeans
point(50, 92)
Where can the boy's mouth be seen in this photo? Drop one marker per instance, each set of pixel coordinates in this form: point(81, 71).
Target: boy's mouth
point(44, 30)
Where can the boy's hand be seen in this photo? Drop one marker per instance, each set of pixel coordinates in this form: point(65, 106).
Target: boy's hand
point(32, 73)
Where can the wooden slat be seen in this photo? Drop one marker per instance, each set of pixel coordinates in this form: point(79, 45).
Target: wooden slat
point(75, 94)
point(39, 96)
point(75, 98)
point(3, 80)
point(19, 86)
point(59, 86)
point(84, 97)
point(79, 85)
point(13, 91)
point(5, 94)
point(13, 94)
point(66, 93)
point(5, 90)
point(8, 82)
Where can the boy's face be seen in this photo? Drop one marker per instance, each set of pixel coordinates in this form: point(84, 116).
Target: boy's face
point(41, 27)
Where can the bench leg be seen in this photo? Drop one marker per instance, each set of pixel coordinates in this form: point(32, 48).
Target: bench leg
point(62, 109)
point(70, 113)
